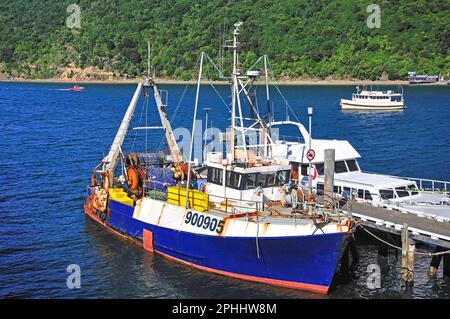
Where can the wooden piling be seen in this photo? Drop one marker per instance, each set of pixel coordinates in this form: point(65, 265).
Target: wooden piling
point(408, 252)
point(436, 261)
point(447, 265)
point(330, 156)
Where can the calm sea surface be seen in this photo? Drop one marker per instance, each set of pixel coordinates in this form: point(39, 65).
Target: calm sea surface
point(51, 139)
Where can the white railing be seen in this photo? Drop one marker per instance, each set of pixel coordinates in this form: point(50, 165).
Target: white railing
point(424, 184)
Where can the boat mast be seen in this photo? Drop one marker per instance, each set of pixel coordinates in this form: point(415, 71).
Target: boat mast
point(233, 95)
point(269, 111)
point(235, 101)
point(149, 56)
point(112, 159)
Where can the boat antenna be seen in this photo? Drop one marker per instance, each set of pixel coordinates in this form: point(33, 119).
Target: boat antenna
point(223, 44)
point(266, 71)
point(149, 56)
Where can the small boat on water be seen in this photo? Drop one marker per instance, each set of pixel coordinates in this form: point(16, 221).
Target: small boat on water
point(76, 88)
point(240, 217)
point(365, 99)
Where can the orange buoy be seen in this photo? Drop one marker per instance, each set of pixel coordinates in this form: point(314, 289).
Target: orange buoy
point(133, 179)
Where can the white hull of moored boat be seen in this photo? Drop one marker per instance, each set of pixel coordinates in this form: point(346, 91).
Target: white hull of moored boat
point(359, 105)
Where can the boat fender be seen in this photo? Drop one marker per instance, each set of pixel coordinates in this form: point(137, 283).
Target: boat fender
point(133, 179)
point(300, 195)
point(294, 174)
point(102, 216)
point(94, 181)
point(314, 173)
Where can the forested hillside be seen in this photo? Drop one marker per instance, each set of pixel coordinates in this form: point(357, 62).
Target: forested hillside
point(303, 38)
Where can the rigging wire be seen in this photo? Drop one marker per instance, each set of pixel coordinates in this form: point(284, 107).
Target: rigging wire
point(146, 125)
point(175, 113)
point(140, 120)
point(210, 61)
point(177, 109)
point(281, 94)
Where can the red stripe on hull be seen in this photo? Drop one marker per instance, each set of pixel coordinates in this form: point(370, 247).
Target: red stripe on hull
point(274, 282)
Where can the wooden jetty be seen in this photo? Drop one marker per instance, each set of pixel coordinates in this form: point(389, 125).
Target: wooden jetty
point(384, 218)
point(387, 219)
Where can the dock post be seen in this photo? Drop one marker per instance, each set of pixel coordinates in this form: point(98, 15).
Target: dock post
point(408, 252)
point(447, 265)
point(330, 155)
point(436, 261)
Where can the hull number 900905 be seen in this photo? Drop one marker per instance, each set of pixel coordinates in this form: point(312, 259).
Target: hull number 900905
point(205, 222)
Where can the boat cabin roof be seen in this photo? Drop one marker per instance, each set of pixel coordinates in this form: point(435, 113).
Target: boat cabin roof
point(378, 93)
point(273, 168)
point(358, 179)
point(297, 152)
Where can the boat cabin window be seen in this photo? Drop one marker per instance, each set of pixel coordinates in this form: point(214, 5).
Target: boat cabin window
point(215, 176)
point(320, 189)
point(304, 171)
point(413, 187)
point(283, 177)
point(352, 166)
point(340, 167)
point(320, 169)
point(361, 193)
point(271, 180)
point(387, 193)
point(251, 181)
point(234, 180)
point(364, 194)
point(261, 181)
point(255, 180)
point(401, 191)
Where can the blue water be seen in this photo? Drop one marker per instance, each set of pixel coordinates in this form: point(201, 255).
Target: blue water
point(51, 139)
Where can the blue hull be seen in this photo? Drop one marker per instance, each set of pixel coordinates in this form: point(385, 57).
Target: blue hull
point(303, 262)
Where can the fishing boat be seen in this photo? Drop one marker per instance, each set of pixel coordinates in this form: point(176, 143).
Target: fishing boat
point(365, 99)
point(239, 217)
point(76, 88)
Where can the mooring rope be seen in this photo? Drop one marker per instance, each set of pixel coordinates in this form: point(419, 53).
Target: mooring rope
point(400, 248)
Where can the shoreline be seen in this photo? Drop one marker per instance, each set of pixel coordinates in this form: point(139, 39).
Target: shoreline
point(173, 82)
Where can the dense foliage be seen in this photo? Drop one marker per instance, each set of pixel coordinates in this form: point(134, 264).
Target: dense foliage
point(303, 38)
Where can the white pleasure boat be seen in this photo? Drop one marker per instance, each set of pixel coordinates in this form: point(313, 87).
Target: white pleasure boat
point(350, 180)
point(365, 99)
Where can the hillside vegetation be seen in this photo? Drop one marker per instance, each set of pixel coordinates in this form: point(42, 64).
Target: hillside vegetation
point(303, 38)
